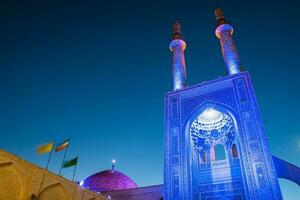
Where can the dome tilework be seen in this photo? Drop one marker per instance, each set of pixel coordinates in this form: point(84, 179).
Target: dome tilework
point(109, 180)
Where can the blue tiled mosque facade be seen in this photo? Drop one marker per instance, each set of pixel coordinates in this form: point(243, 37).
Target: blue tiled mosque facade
point(198, 119)
point(215, 145)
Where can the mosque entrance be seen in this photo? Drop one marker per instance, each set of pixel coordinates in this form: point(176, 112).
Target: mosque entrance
point(215, 163)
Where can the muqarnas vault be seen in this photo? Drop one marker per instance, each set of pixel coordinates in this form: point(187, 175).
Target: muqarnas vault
point(215, 145)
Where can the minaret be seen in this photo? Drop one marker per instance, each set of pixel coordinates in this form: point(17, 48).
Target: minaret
point(224, 32)
point(177, 46)
point(214, 150)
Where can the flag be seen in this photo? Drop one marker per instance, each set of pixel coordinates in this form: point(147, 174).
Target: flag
point(70, 163)
point(45, 148)
point(63, 145)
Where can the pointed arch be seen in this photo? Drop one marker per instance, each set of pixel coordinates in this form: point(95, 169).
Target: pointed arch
point(53, 192)
point(192, 154)
point(216, 108)
point(286, 170)
point(223, 108)
point(11, 186)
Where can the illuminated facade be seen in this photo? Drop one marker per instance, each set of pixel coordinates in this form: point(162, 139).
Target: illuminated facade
point(215, 145)
point(224, 32)
point(177, 46)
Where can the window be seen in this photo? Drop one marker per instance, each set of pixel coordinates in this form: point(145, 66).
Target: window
point(202, 154)
point(234, 151)
point(218, 152)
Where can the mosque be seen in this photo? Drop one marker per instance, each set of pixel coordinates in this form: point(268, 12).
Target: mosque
point(215, 145)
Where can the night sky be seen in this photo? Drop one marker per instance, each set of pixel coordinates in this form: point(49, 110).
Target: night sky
point(97, 72)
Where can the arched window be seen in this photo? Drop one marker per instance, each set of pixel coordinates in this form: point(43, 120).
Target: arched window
point(202, 155)
point(234, 151)
point(218, 152)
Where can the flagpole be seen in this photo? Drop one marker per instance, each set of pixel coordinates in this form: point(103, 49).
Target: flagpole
point(50, 155)
point(46, 169)
point(64, 158)
point(75, 170)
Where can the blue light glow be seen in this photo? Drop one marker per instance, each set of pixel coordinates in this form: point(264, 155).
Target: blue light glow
point(179, 72)
point(210, 128)
point(81, 183)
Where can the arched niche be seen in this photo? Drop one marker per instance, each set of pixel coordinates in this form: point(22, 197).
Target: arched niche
point(211, 125)
point(234, 151)
point(11, 187)
point(53, 192)
point(226, 133)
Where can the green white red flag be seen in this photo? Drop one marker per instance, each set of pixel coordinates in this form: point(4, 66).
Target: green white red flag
point(62, 145)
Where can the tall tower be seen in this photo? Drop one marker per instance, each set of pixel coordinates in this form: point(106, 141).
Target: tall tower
point(215, 145)
point(224, 32)
point(177, 46)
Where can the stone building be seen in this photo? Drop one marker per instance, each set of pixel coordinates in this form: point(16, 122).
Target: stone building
point(21, 180)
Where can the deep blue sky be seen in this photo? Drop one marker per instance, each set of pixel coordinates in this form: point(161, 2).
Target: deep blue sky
point(97, 71)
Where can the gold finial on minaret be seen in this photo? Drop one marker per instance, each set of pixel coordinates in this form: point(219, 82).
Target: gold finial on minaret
point(224, 32)
point(176, 30)
point(220, 17)
point(219, 14)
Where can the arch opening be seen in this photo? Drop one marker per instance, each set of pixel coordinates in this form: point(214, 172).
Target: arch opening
point(10, 184)
point(218, 153)
point(212, 134)
point(53, 192)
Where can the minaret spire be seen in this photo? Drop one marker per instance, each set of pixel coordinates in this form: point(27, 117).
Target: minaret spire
point(177, 46)
point(224, 32)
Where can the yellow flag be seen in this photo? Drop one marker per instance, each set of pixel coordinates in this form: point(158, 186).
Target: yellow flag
point(45, 148)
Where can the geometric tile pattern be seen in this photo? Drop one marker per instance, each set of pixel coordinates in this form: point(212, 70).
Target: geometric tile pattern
point(108, 180)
